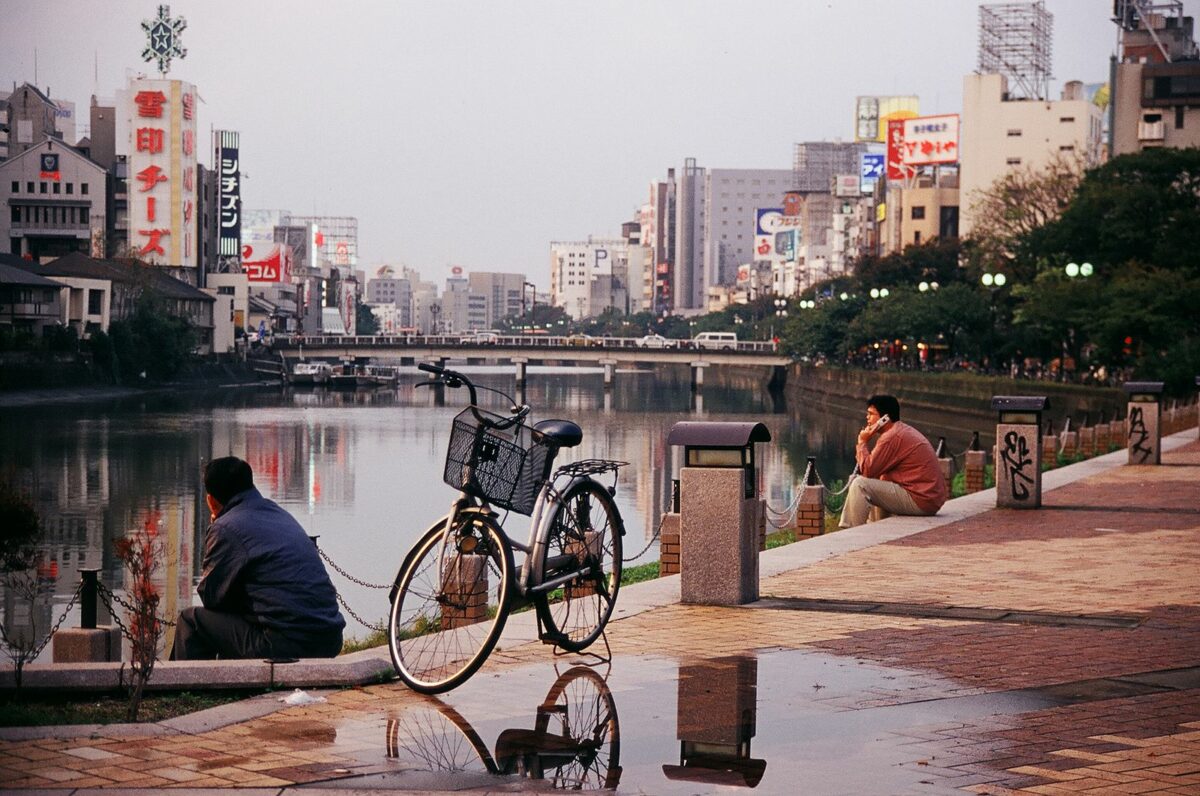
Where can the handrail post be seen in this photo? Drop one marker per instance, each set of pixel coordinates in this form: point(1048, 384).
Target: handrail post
point(88, 591)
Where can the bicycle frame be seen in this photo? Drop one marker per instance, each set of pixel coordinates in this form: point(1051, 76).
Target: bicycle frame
point(529, 582)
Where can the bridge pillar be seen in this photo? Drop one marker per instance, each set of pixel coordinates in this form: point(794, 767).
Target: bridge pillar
point(698, 374)
point(520, 365)
point(610, 371)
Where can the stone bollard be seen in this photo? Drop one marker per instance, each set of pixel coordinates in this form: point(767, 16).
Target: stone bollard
point(719, 510)
point(975, 464)
point(1018, 457)
point(945, 463)
point(1087, 437)
point(1068, 441)
point(467, 592)
point(87, 643)
point(810, 511)
point(1143, 422)
point(668, 536)
point(1049, 446)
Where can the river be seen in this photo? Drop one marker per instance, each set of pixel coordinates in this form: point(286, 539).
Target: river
point(363, 470)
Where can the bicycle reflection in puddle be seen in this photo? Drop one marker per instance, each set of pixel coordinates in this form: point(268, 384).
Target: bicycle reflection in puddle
point(574, 743)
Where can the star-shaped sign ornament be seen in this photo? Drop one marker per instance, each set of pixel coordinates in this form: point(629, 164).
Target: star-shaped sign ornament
point(162, 34)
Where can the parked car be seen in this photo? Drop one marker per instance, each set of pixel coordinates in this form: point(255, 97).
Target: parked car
point(582, 340)
point(655, 341)
point(483, 338)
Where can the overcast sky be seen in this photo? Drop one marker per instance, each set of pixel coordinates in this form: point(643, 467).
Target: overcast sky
point(474, 133)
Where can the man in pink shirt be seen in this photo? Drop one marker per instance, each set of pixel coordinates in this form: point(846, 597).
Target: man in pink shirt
point(900, 476)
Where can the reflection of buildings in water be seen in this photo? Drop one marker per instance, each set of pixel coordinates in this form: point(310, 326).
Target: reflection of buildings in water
point(307, 462)
point(717, 713)
point(171, 521)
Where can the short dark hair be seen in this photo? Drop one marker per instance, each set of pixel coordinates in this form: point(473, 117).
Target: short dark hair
point(226, 477)
point(886, 404)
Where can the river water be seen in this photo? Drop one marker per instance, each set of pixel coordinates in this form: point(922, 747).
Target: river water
point(363, 470)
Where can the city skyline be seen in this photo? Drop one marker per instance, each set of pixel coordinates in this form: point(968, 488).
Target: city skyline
point(474, 135)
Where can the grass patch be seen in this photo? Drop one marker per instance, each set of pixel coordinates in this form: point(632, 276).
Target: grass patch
point(39, 709)
point(639, 573)
point(376, 638)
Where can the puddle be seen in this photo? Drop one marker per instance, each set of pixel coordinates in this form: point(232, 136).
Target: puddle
point(777, 722)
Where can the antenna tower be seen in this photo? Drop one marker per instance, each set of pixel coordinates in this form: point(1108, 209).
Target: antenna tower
point(1014, 41)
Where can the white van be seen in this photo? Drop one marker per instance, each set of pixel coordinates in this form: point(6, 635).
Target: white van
point(723, 340)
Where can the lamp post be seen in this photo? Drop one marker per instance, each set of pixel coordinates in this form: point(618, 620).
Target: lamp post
point(992, 282)
point(1073, 271)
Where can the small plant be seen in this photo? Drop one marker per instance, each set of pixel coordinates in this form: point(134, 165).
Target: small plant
point(141, 552)
point(18, 559)
point(835, 497)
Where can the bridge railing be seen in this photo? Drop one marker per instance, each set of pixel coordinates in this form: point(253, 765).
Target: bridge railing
point(470, 340)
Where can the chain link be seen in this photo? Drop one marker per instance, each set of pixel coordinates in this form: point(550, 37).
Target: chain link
point(350, 577)
point(378, 628)
point(36, 651)
point(650, 543)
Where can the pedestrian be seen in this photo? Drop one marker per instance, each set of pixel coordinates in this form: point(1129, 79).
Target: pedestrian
point(264, 590)
point(900, 475)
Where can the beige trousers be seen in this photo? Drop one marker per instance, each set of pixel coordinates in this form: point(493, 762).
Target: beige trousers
point(864, 494)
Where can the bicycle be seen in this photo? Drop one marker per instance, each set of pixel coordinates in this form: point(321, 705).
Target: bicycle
point(574, 744)
point(458, 584)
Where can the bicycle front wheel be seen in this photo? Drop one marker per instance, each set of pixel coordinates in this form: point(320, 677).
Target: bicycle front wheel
point(446, 619)
point(585, 538)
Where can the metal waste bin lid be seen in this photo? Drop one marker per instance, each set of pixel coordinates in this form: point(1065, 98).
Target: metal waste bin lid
point(695, 433)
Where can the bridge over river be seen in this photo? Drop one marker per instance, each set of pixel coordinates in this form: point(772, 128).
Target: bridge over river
point(522, 351)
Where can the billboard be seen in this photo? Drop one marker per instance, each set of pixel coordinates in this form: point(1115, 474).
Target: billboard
point(895, 167)
point(872, 114)
point(846, 185)
point(930, 140)
point(229, 193)
point(162, 171)
point(776, 236)
point(267, 261)
point(870, 170)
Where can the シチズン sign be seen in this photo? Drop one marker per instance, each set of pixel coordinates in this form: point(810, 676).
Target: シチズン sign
point(229, 193)
point(162, 171)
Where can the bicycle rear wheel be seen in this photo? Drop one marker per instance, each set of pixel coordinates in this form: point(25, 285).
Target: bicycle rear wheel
point(445, 620)
point(585, 534)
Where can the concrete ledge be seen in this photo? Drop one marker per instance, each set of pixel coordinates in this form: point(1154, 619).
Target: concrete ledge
point(358, 668)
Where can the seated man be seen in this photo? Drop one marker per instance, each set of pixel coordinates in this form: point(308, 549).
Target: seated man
point(900, 476)
point(265, 591)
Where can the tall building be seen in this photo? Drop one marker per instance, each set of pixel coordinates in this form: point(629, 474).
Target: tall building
point(1155, 97)
point(505, 294)
point(54, 202)
point(714, 227)
point(658, 236)
point(1000, 134)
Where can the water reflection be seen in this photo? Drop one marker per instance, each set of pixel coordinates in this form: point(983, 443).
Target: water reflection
point(574, 743)
point(363, 469)
point(717, 712)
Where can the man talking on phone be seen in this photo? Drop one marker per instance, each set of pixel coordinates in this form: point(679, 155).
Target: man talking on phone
point(900, 475)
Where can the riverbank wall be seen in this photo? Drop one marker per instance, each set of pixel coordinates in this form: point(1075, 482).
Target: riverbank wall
point(965, 394)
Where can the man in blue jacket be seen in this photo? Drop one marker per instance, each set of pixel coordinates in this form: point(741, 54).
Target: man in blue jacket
point(265, 592)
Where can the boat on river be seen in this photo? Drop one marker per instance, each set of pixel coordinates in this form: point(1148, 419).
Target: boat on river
point(351, 375)
point(311, 374)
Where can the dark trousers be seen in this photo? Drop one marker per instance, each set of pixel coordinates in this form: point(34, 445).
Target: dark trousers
point(201, 634)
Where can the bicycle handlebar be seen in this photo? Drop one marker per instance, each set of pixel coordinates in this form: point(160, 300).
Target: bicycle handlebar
point(454, 379)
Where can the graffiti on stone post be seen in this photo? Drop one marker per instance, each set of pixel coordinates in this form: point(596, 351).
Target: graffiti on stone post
point(1016, 458)
point(1139, 434)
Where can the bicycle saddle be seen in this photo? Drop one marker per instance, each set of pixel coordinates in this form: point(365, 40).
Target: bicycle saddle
point(562, 433)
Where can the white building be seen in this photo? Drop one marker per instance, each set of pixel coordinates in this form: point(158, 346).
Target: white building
point(50, 212)
point(506, 296)
point(587, 277)
point(999, 134)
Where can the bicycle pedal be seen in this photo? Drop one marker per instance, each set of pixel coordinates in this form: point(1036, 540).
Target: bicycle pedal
point(555, 639)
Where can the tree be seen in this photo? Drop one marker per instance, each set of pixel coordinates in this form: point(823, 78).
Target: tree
point(18, 559)
point(151, 341)
point(1015, 206)
point(365, 322)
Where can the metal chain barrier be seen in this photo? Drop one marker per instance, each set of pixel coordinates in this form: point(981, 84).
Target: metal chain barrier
point(650, 543)
point(378, 628)
point(36, 651)
point(350, 577)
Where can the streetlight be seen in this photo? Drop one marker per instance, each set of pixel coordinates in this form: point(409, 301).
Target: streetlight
point(925, 287)
point(879, 292)
point(993, 282)
point(1074, 269)
point(807, 304)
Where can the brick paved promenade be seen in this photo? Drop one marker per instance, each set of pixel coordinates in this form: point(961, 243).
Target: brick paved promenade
point(1052, 651)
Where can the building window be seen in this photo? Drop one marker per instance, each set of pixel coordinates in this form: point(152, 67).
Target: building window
point(28, 187)
point(1067, 148)
point(1013, 161)
point(16, 186)
point(95, 302)
point(1178, 117)
point(225, 290)
point(1013, 133)
point(42, 187)
point(16, 214)
point(917, 238)
point(1066, 119)
point(70, 188)
point(56, 188)
point(83, 188)
point(918, 212)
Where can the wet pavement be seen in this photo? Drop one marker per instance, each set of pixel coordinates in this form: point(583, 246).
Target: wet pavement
point(1046, 651)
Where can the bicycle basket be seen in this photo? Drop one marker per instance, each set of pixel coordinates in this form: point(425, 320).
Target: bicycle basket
point(504, 467)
